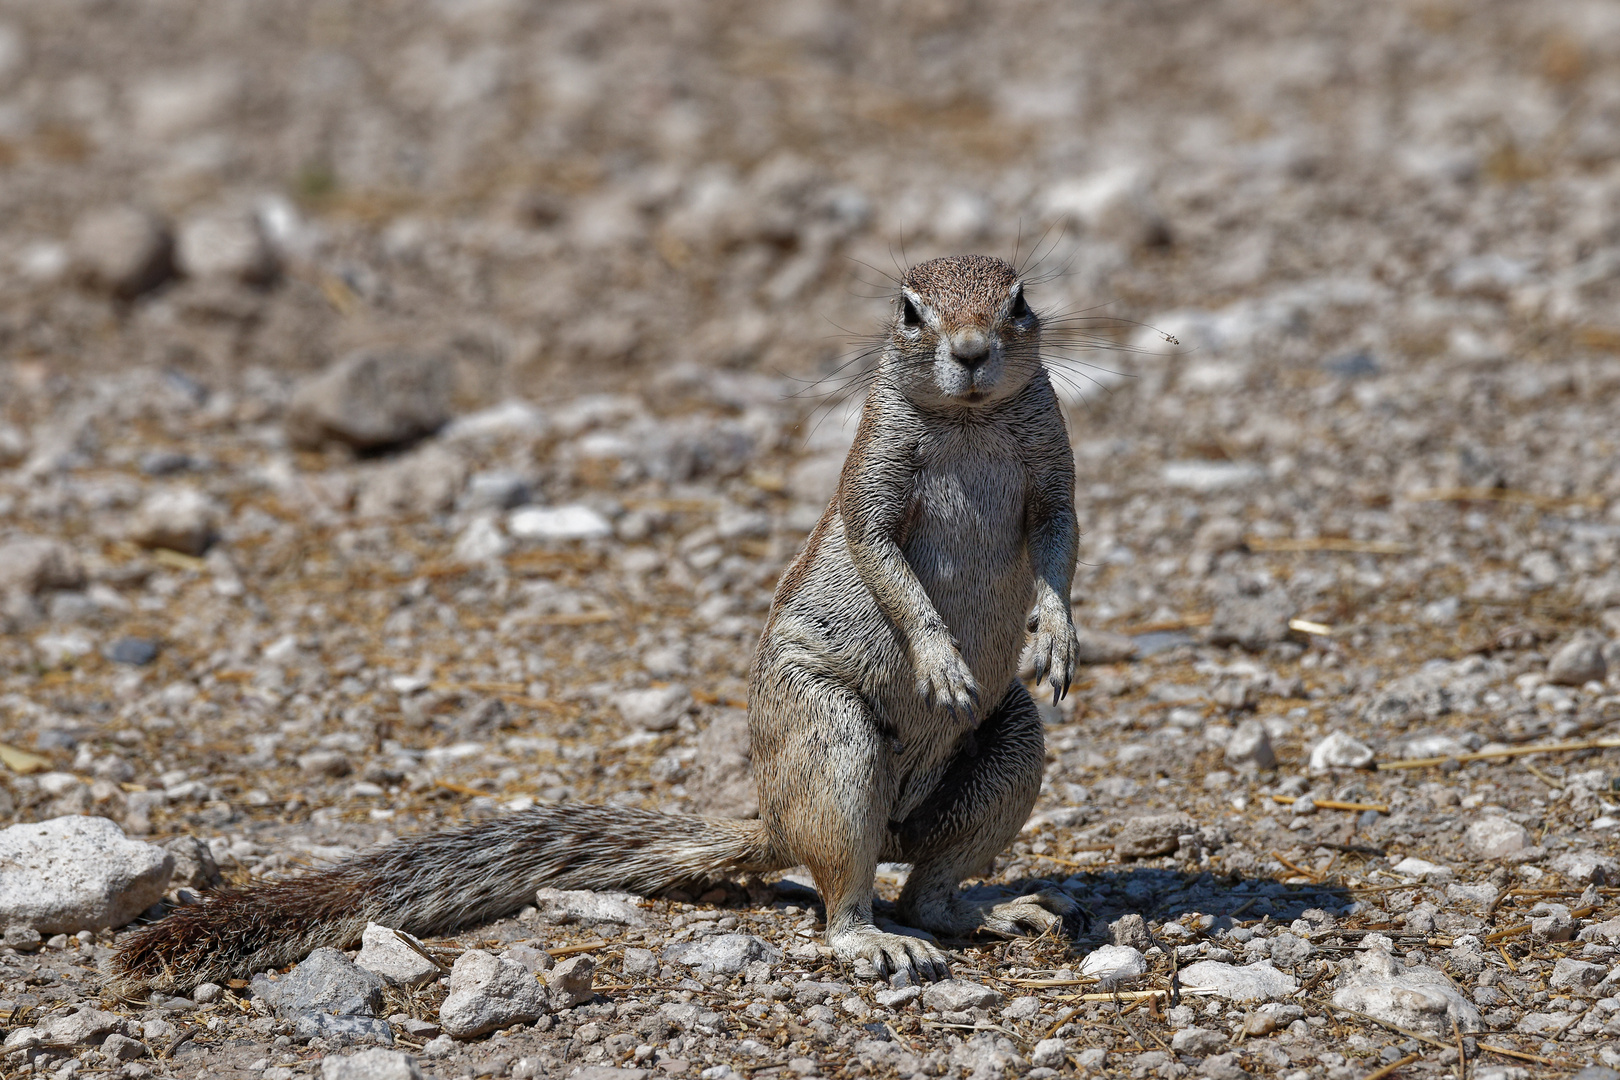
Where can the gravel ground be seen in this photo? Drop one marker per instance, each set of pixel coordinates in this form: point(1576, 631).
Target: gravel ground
point(1348, 492)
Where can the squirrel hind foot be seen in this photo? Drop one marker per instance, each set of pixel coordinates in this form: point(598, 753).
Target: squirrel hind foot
point(912, 958)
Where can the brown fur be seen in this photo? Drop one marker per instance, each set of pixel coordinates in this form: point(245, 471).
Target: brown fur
point(885, 712)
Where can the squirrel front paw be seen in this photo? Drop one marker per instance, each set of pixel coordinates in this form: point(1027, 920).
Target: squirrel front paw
point(1054, 648)
point(944, 678)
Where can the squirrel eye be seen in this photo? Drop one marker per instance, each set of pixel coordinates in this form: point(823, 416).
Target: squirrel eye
point(908, 312)
point(1020, 308)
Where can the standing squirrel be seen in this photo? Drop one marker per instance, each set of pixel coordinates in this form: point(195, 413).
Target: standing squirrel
point(886, 715)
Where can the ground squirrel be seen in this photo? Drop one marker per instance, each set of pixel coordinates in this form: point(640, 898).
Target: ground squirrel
point(885, 710)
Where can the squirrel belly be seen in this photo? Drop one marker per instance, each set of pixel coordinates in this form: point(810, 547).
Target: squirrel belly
point(436, 883)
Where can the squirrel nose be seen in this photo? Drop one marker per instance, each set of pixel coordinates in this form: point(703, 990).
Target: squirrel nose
point(970, 348)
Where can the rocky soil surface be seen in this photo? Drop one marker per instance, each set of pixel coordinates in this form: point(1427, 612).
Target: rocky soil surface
point(406, 410)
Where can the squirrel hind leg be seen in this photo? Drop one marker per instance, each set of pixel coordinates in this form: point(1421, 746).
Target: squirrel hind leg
point(826, 788)
point(978, 806)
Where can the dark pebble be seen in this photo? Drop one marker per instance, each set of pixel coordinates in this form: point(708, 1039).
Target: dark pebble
point(133, 650)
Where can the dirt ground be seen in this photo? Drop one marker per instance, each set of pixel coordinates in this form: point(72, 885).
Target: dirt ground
point(1346, 454)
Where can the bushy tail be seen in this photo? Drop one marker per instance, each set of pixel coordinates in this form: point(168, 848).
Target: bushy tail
point(436, 883)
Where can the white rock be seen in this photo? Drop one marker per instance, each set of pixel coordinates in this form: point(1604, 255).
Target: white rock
point(1587, 867)
point(1049, 1054)
point(1256, 982)
point(77, 873)
point(78, 1028)
point(481, 541)
point(181, 519)
point(956, 995)
point(657, 708)
point(1340, 751)
point(122, 250)
point(565, 906)
point(1579, 662)
point(1249, 747)
point(1571, 974)
point(1114, 963)
point(572, 522)
point(1422, 869)
point(488, 993)
point(396, 956)
point(225, 246)
point(571, 982)
point(56, 650)
point(375, 1064)
point(508, 419)
point(1421, 998)
point(33, 564)
point(1497, 838)
point(1206, 476)
point(726, 954)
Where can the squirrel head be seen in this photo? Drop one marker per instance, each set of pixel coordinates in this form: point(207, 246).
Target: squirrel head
point(962, 334)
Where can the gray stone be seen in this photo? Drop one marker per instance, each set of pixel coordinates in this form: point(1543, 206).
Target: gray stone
point(726, 954)
point(1255, 982)
point(116, 1047)
point(25, 939)
point(82, 1027)
point(331, 763)
point(610, 1072)
point(207, 993)
point(342, 1029)
point(1131, 929)
point(811, 991)
point(77, 873)
point(1154, 834)
point(370, 1065)
point(1578, 661)
point(571, 982)
point(1569, 974)
point(225, 246)
point(33, 564)
point(1249, 747)
point(500, 489)
point(1587, 867)
point(137, 652)
point(122, 250)
point(1102, 647)
point(656, 708)
point(564, 906)
point(956, 995)
point(326, 981)
point(640, 963)
point(395, 955)
point(1197, 1041)
point(1496, 838)
point(372, 399)
point(533, 960)
point(1049, 1054)
point(1290, 949)
point(194, 866)
point(1418, 997)
point(1252, 622)
point(725, 786)
point(181, 519)
point(1340, 751)
point(487, 993)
